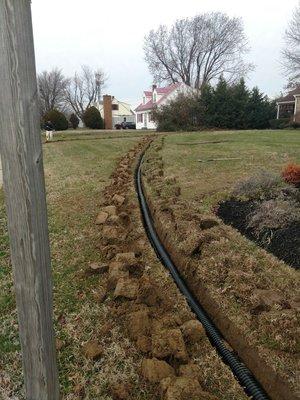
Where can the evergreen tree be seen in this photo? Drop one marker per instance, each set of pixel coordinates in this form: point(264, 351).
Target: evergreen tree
point(206, 104)
point(238, 106)
point(259, 111)
point(58, 120)
point(221, 105)
point(92, 118)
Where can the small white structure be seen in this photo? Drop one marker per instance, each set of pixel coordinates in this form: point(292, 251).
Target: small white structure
point(120, 110)
point(157, 97)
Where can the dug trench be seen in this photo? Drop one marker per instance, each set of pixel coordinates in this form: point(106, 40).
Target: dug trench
point(259, 320)
point(175, 360)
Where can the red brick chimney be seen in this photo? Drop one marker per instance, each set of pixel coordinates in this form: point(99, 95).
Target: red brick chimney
point(107, 110)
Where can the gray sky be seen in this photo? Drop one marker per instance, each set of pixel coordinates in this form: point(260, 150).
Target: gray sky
point(109, 34)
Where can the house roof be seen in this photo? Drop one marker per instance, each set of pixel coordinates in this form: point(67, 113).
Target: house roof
point(290, 96)
point(165, 91)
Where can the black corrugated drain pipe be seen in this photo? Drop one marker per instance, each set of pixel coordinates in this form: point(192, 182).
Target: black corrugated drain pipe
point(246, 379)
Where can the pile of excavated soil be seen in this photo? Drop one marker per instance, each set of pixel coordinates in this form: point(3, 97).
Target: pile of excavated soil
point(283, 243)
point(251, 296)
point(176, 360)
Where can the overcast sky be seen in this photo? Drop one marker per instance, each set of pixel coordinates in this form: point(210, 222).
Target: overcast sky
point(109, 34)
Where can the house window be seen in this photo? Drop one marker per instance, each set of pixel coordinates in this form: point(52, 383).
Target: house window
point(150, 117)
point(140, 118)
point(115, 107)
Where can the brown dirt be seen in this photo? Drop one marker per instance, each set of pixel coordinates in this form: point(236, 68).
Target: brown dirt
point(256, 315)
point(147, 306)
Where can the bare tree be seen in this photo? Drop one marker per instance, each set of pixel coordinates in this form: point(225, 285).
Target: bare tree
point(84, 89)
point(198, 50)
point(291, 52)
point(52, 86)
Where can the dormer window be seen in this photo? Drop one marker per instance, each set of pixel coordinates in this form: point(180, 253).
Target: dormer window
point(144, 99)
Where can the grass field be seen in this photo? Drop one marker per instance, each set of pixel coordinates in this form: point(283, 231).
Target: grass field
point(210, 181)
point(76, 173)
point(78, 166)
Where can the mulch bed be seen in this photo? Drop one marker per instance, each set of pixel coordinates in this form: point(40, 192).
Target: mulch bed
point(283, 243)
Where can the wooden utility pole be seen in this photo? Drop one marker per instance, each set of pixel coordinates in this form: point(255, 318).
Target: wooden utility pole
point(23, 176)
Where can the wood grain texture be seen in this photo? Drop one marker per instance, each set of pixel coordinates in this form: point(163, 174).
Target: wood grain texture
point(23, 177)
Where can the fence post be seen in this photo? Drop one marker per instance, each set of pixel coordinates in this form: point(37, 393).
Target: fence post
point(23, 177)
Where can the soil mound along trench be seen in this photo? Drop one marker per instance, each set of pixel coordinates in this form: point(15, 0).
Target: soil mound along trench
point(245, 377)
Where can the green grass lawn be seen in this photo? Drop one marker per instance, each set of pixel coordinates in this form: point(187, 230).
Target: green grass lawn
point(76, 172)
point(210, 181)
point(78, 165)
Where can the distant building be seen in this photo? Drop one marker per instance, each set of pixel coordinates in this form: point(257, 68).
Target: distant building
point(289, 106)
point(114, 111)
point(157, 97)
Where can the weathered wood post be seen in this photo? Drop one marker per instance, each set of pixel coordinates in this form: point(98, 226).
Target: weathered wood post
point(23, 176)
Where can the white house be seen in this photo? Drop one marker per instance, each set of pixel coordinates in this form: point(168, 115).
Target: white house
point(157, 97)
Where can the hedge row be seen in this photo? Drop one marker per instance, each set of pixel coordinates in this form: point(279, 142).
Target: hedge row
point(92, 119)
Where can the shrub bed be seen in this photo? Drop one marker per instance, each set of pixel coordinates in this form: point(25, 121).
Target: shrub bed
point(267, 210)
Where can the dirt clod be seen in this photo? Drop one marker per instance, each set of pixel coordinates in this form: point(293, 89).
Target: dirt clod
point(139, 323)
point(168, 343)
point(191, 370)
point(127, 288)
point(118, 199)
point(128, 259)
point(183, 388)
point(92, 350)
point(120, 391)
point(110, 233)
point(101, 218)
point(155, 370)
point(116, 271)
point(111, 210)
point(143, 343)
point(193, 331)
point(148, 293)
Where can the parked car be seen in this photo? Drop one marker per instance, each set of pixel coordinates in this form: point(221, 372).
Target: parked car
point(125, 125)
